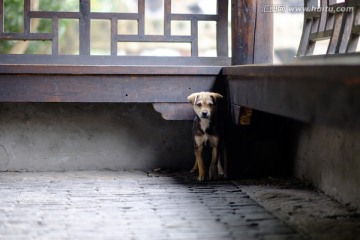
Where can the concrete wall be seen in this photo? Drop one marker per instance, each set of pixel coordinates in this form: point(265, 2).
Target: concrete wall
point(330, 159)
point(68, 136)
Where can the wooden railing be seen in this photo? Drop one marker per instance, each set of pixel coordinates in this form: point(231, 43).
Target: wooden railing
point(85, 17)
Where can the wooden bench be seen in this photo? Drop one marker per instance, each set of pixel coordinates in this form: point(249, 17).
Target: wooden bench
point(164, 81)
point(165, 86)
point(320, 89)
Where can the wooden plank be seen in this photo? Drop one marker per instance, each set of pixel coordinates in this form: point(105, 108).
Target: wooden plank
point(113, 60)
point(347, 32)
point(55, 36)
point(51, 14)
point(335, 59)
point(323, 17)
point(194, 42)
point(108, 70)
point(320, 36)
point(194, 17)
point(101, 88)
point(263, 45)
point(336, 37)
point(110, 15)
point(327, 94)
point(26, 16)
point(1, 16)
point(222, 29)
point(167, 17)
point(141, 21)
point(84, 27)
point(114, 32)
point(301, 71)
point(153, 38)
point(304, 41)
point(315, 25)
point(22, 36)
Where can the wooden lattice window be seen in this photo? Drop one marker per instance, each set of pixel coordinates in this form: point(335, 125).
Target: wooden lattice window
point(333, 23)
point(122, 29)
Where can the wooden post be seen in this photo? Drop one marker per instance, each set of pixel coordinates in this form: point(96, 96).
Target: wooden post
point(84, 27)
point(252, 41)
point(252, 32)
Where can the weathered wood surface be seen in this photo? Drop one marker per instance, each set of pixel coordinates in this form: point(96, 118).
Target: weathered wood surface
point(101, 88)
point(322, 88)
point(168, 86)
point(252, 32)
point(63, 69)
point(16, 59)
point(309, 93)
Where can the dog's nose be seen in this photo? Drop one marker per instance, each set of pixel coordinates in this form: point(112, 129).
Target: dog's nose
point(204, 114)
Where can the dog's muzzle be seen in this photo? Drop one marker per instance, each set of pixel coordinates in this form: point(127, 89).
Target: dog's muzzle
point(204, 114)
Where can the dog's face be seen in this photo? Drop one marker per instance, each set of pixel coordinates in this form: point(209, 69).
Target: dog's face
point(204, 103)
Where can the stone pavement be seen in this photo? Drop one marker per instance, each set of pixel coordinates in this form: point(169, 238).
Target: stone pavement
point(304, 208)
point(130, 205)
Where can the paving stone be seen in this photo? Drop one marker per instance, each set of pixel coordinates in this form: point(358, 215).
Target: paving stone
point(131, 205)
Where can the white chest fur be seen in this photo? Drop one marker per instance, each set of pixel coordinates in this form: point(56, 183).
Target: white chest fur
point(206, 138)
point(204, 124)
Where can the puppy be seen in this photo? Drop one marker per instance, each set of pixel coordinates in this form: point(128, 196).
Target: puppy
point(206, 132)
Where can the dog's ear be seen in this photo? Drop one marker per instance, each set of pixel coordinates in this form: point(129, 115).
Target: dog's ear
point(216, 96)
point(191, 98)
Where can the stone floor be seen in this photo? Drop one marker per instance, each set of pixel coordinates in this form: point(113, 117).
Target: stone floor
point(138, 205)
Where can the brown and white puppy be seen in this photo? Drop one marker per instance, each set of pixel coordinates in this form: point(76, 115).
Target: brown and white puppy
point(206, 132)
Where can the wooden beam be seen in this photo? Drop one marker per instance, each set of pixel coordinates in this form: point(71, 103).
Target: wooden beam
point(101, 88)
point(37, 69)
point(19, 59)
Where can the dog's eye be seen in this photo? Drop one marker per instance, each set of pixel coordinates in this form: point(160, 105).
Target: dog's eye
point(198, 104)
point(211, 104)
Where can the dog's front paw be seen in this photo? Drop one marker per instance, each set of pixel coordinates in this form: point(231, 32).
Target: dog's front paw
point(201, 178)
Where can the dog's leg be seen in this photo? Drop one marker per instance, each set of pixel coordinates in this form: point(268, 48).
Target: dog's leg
point(200, 163)
point(220, 168)
point(214, 162)
point(195, 167)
